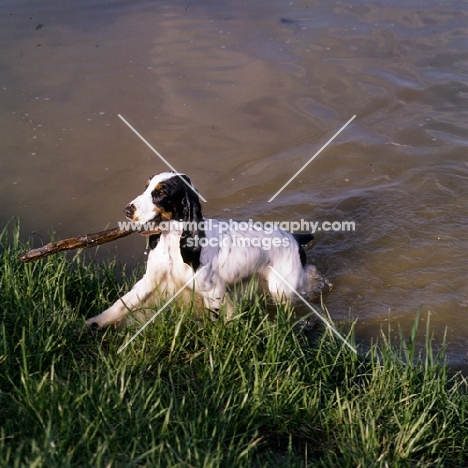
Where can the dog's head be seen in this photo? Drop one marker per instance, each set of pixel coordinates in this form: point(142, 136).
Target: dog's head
point(167, 196)
point(171, 196)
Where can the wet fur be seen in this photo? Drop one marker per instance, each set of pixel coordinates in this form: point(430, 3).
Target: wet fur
point(175, 258)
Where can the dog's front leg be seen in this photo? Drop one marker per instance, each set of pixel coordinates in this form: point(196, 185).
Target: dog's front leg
point(135, 298)
point(216, 298)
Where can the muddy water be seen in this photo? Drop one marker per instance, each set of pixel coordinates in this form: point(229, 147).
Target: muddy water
point(240, 95)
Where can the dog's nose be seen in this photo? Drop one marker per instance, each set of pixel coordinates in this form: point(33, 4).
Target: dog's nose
point(129, 210)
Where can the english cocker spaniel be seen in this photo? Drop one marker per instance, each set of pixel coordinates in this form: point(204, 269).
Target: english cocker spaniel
point(205, 256)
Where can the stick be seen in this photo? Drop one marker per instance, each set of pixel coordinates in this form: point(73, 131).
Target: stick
point(79, 242)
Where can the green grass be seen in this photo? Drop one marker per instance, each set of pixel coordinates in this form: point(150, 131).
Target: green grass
point(252, 392)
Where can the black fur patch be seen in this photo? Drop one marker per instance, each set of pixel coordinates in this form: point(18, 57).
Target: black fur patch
point(153, 240)
point(190, 248)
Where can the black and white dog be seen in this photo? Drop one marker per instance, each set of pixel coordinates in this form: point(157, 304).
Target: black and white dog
point(206, 256)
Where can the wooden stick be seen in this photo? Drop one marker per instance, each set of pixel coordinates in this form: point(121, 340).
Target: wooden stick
point(79, 242)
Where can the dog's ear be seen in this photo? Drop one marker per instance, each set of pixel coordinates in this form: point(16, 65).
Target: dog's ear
point(193, 233)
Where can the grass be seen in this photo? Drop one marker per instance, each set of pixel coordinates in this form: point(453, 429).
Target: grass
point(253, 392)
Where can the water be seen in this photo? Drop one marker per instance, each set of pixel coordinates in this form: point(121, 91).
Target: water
point(239, 95)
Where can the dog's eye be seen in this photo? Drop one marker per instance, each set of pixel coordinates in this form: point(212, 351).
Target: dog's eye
point(157, 193)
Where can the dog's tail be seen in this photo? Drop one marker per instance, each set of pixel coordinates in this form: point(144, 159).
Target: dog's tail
point(303, 239)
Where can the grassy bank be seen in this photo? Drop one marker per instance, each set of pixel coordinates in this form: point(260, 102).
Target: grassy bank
point(191, 392)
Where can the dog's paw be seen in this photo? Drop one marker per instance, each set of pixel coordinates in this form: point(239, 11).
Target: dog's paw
point(214, 315)
point(93, 324)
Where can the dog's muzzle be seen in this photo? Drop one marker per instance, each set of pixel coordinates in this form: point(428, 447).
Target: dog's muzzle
point(129, 211)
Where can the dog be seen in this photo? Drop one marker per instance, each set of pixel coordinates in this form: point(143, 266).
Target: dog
point(206, 257)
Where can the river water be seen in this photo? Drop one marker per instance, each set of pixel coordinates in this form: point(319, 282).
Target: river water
point(240, 95)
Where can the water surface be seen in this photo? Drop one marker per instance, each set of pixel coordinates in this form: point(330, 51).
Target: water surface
point(239, 95)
